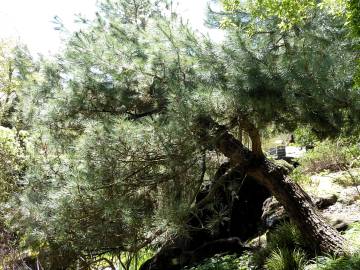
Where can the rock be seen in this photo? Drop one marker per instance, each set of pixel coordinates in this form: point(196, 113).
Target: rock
point(312, 266)
point(340, 225)
point(258, 242)
point(324, 202)
point(273, 213)
point(348, 213)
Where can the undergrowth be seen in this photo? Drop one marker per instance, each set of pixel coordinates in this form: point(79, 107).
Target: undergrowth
point(286, 259)
point(286, 250)
point(227, 262)
point(285, 247)
point(352, 236)
point(338, 263)
point(331, 156)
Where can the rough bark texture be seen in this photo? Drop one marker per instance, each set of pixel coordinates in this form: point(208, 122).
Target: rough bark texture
point(253, 133)
point(296, 202)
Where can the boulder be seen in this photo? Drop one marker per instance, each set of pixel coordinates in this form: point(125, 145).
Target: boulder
point(340, 225)
point(324, 202)
point(273, 213)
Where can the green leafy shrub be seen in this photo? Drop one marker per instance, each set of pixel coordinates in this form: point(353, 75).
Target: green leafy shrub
point(121, 260)
point(348, 179)
point(228, 262)
point(304, 136)
point(298, 176)
point(286, 235)
point(330, 155)
point(286, 259)
point(11, 163)
point(340, 263)
point(351, 262)
point(285, 241)
point(352, 235)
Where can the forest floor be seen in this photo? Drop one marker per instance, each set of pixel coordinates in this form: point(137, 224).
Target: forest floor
point(330, 174)
point(279, 249)
point(345, 186)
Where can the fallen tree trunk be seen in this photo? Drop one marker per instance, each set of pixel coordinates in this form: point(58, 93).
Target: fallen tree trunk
point(296, 202)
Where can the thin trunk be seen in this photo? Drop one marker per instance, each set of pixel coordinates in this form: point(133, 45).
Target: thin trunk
point(299, 207)
point(253, 133)
point(296, 202)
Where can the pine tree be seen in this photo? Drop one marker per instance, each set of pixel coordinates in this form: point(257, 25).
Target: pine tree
point(126, 122)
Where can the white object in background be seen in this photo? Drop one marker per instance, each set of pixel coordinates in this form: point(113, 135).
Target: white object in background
point(295, 151)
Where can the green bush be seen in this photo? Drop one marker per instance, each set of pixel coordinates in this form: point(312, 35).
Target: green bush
point(298, 176)
point(11, 163)
point(286, 259)
point(121, 261)
point(348, 179)
point(331, 156)
point(305, 137)
point(286, 235)
point(340, 263)
point(352, 235)
point(285, 238)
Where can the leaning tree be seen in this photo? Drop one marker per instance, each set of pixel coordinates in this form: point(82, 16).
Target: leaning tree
point(135, 116)
point(288, 76)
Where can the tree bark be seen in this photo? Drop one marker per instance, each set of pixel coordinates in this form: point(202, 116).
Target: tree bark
point(253, 133)
point(296, 202)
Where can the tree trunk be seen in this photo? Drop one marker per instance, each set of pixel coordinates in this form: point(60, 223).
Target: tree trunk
point(296, 202)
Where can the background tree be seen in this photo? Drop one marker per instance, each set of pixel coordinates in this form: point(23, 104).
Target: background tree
point(288, 14)
point(283, 76)
point(291, 14)
point(12, 152)
point(353, 15)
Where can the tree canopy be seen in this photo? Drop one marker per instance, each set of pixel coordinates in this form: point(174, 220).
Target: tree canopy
point(114, 161)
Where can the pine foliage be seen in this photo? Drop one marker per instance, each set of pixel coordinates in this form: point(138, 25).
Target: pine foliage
point(112, 160)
